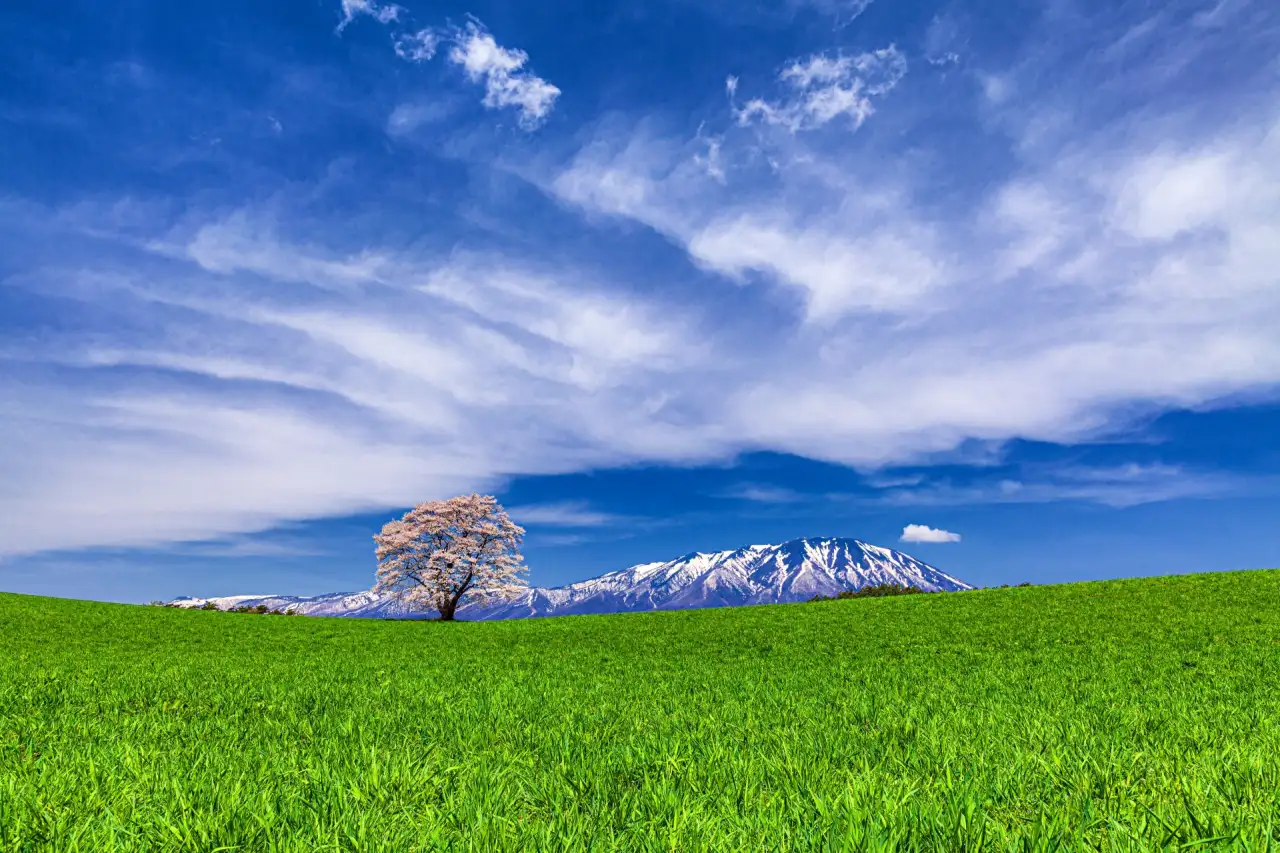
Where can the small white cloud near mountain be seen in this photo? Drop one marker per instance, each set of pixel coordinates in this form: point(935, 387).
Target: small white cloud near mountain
point(925, 533)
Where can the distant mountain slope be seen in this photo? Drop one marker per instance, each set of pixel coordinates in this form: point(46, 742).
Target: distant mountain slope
point(759, 574)
point(366, 604)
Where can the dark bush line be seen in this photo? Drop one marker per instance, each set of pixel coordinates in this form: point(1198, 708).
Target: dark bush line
point(261, 609)
point(873, 591)
point(883, 589)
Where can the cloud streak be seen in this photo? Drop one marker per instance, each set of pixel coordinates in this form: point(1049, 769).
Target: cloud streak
point(562, 514)
point(1117, 486)
point(766, 494)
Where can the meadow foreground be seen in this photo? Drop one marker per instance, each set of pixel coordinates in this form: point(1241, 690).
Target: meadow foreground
point(1127, 715)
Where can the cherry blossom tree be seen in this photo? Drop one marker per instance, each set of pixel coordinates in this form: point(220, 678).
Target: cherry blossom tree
point(443, 551)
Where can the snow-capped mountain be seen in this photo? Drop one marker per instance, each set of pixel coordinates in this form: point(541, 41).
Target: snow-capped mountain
point(759, 574)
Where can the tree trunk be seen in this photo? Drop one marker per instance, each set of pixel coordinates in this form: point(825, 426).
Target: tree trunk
point(450, 605)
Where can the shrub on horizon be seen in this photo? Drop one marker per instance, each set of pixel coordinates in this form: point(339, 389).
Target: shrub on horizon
point(873, 591)
point(257, 608)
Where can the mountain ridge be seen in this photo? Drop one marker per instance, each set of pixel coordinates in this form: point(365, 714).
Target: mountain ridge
point(791, 571)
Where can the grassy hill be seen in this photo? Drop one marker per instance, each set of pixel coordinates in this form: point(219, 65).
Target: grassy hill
point(1128, 715)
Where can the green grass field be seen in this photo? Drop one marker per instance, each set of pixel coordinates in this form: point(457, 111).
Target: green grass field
point(1129, 715)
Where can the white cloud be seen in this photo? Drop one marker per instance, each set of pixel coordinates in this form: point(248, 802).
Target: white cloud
point(924, 533)
point(822, 88)
point(500, 69)
point(384, 13)
point(418, 46)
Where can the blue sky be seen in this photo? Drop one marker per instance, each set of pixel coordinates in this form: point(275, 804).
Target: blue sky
point(664, 276)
